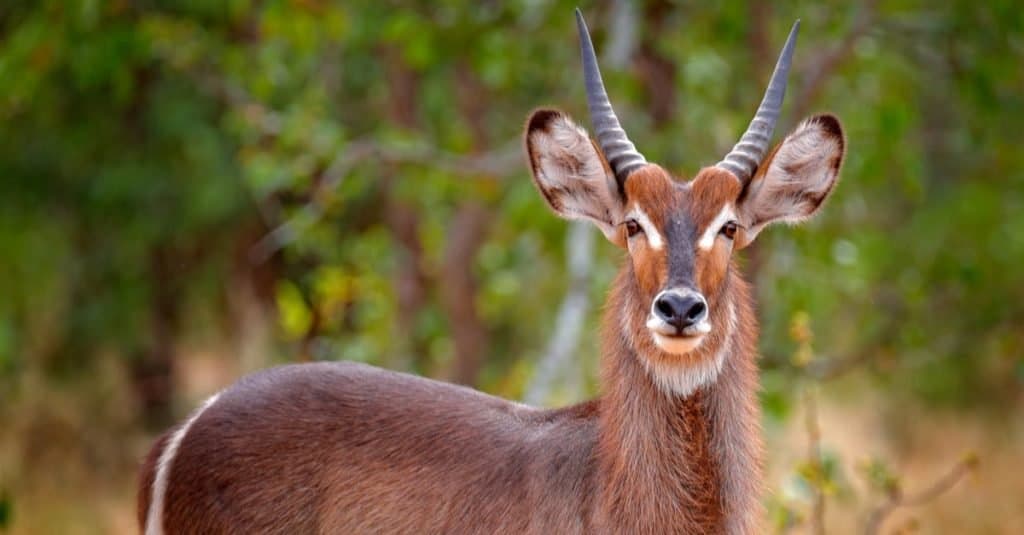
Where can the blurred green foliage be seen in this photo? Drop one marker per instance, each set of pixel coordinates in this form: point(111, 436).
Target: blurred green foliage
point(353, 172)
point(149, 149)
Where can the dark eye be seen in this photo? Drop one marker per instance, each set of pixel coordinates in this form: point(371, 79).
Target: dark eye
point(633, 228)
point(729, 230)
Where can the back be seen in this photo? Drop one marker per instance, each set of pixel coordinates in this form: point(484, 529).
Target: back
point(345, 447)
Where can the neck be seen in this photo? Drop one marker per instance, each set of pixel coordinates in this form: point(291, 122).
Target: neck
point(675, 461)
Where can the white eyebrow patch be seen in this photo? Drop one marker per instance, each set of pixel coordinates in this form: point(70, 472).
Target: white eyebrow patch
point(653, 236)
point(707, 238)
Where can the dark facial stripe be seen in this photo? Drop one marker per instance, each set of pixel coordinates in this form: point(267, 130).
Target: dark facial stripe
point(681, 239)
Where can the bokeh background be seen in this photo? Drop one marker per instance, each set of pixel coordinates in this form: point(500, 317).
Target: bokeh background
point(191, 190)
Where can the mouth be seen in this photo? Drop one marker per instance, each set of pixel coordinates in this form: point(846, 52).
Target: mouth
point(678, 344)
point(672, 339)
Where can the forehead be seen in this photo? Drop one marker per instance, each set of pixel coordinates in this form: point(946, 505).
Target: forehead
point(696, 202)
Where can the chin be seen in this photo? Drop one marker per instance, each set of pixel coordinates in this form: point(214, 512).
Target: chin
point(684, 375)
point(677, 345)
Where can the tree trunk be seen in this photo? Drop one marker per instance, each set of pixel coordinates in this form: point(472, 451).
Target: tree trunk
point(403, 220)
point(468, 230)
point(154, 370)
point(458, 291)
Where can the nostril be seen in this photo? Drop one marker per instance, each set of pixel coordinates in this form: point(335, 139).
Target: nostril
point(664, 308)
point(680, 310)
point(696, 311)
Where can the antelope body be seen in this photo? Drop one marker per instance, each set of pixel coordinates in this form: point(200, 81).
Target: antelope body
point(671, 446)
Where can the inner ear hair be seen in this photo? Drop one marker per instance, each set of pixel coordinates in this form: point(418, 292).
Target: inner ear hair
point(796, 178)
point(570, 172)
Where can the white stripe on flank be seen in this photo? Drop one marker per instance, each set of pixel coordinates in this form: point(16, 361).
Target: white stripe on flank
point(653, 236)
point(707, 239)
point(155, 516)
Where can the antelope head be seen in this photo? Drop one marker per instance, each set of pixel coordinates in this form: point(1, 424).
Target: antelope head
point(681, 235)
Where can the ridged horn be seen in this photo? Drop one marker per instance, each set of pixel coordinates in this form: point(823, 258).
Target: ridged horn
point(744, 158)
point(622, 156)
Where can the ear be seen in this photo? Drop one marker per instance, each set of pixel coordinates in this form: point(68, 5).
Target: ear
point(795, 179)
point(570, 172)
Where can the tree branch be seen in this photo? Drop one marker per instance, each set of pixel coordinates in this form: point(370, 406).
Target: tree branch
point(497, 164)
point(897, 499)
point(486, 166)
point(814, 458)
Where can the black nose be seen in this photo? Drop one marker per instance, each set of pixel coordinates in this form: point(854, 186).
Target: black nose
point(679, 310)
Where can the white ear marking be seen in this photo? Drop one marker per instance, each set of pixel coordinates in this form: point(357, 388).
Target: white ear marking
point(707, 238)
point(654, 238)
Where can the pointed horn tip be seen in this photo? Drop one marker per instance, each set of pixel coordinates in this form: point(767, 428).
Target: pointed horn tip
point(611, 137)
point(762, 125)
point(582, 31)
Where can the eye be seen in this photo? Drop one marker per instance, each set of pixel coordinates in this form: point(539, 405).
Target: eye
point(729, 230)
point(633, 228)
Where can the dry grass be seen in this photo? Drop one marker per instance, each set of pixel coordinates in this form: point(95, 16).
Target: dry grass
point(920, 446)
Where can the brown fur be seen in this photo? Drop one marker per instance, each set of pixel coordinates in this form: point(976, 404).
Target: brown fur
point(662, 199)
point(674, 460)
point(349, 448)
point(652, 189)
point(346, 448)
point(147, 474)
point(342, 448)
point(710, 190)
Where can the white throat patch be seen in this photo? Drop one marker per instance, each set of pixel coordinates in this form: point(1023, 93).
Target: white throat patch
point(707, 238)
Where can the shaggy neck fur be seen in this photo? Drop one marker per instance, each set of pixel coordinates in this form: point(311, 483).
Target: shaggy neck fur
point(695, 459)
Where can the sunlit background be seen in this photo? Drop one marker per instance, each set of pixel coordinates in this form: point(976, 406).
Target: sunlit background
point(193, 190)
